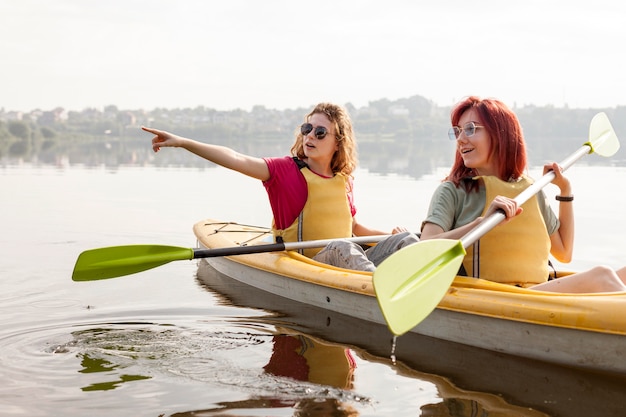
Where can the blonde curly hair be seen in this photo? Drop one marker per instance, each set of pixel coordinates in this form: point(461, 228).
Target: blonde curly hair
point(345, 159)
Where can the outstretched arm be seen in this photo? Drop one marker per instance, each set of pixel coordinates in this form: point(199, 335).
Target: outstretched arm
point(251, 166)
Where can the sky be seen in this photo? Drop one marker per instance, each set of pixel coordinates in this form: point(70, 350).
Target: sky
point(287, 54)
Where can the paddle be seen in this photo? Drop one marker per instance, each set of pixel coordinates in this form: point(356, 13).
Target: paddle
point(116, 261)
point(410, 283)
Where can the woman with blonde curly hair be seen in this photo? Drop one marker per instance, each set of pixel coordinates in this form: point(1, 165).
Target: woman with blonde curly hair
point(310, 192)
point(345, 159)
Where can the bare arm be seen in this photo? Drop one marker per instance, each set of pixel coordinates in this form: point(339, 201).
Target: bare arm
point(251, 166)
point(562, 241)
point(507, 205)
point(434, 231)
point(360, 230)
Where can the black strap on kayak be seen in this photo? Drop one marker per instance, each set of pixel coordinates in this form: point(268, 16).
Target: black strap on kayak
point(476, 260)
point(551, 277)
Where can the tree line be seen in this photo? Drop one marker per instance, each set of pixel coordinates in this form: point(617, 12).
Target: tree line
point(393, 135)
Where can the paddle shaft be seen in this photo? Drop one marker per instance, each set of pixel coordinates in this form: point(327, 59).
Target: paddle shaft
point(276, 247)
point(496, 218)
point(117, 261)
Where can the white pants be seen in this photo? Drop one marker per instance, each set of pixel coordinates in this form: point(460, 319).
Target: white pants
point(346, 254)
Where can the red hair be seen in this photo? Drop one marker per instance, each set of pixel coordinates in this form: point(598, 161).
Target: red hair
point(508, 147)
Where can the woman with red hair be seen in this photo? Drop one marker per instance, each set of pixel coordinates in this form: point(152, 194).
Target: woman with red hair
point(489, 170)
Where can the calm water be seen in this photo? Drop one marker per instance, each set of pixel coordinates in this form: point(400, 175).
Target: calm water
point(183, 340)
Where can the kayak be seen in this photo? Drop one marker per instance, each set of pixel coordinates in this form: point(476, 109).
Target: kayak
point(580, 330)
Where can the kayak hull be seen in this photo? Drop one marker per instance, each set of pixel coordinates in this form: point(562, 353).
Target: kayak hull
point(585, 331)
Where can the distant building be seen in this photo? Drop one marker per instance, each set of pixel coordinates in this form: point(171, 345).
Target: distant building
point(398, 110)
point(51, 117)
point(12, 115)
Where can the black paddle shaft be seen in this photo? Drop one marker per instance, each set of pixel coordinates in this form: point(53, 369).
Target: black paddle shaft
point(240, 250)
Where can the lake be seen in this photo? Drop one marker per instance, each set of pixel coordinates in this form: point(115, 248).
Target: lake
point(181, 340)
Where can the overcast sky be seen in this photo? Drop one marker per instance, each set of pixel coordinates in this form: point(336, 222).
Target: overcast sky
point(287, 53)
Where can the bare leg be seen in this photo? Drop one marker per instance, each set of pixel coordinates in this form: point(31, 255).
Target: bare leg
point(597, 279)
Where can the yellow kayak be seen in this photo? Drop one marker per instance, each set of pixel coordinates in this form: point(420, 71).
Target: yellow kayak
point(581, 330)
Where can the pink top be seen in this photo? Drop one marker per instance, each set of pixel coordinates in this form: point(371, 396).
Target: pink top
point(287, 190)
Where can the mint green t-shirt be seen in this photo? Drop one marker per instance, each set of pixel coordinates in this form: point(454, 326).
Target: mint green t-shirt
point(452, 207)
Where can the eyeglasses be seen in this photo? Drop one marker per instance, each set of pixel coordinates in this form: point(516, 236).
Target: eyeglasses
point(469, 129)
point(320, 131)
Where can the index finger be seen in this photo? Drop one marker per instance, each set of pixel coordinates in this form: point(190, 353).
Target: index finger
point(150, 130)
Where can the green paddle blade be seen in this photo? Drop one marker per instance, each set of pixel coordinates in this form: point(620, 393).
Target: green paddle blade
point(412, 281)
point(602, 137)
point(115, 261)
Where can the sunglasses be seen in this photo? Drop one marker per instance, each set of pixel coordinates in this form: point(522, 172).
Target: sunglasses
point(320, 131)
point(469, 129)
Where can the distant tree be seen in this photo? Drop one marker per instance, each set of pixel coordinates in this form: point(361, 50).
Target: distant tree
point(19, 148)
point(381, 106)
point(618, 121)
point(19, 129)
point(4, 133)
point(47, 132)
point(48, 145)
point(417, 105)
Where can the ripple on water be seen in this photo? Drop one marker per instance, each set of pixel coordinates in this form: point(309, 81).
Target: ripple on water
point(103, 364)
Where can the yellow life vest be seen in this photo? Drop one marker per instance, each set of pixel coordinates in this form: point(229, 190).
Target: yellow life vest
point(516, 252)
point(326, 213)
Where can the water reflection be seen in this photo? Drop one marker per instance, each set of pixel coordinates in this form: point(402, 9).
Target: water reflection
point(409, 156)
point(307, 407)
point(302, 358)
point(523, 387)
point(404, 158)
point(101, 365)
point(279, 368)
point(137, 367)
point(92, 363)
